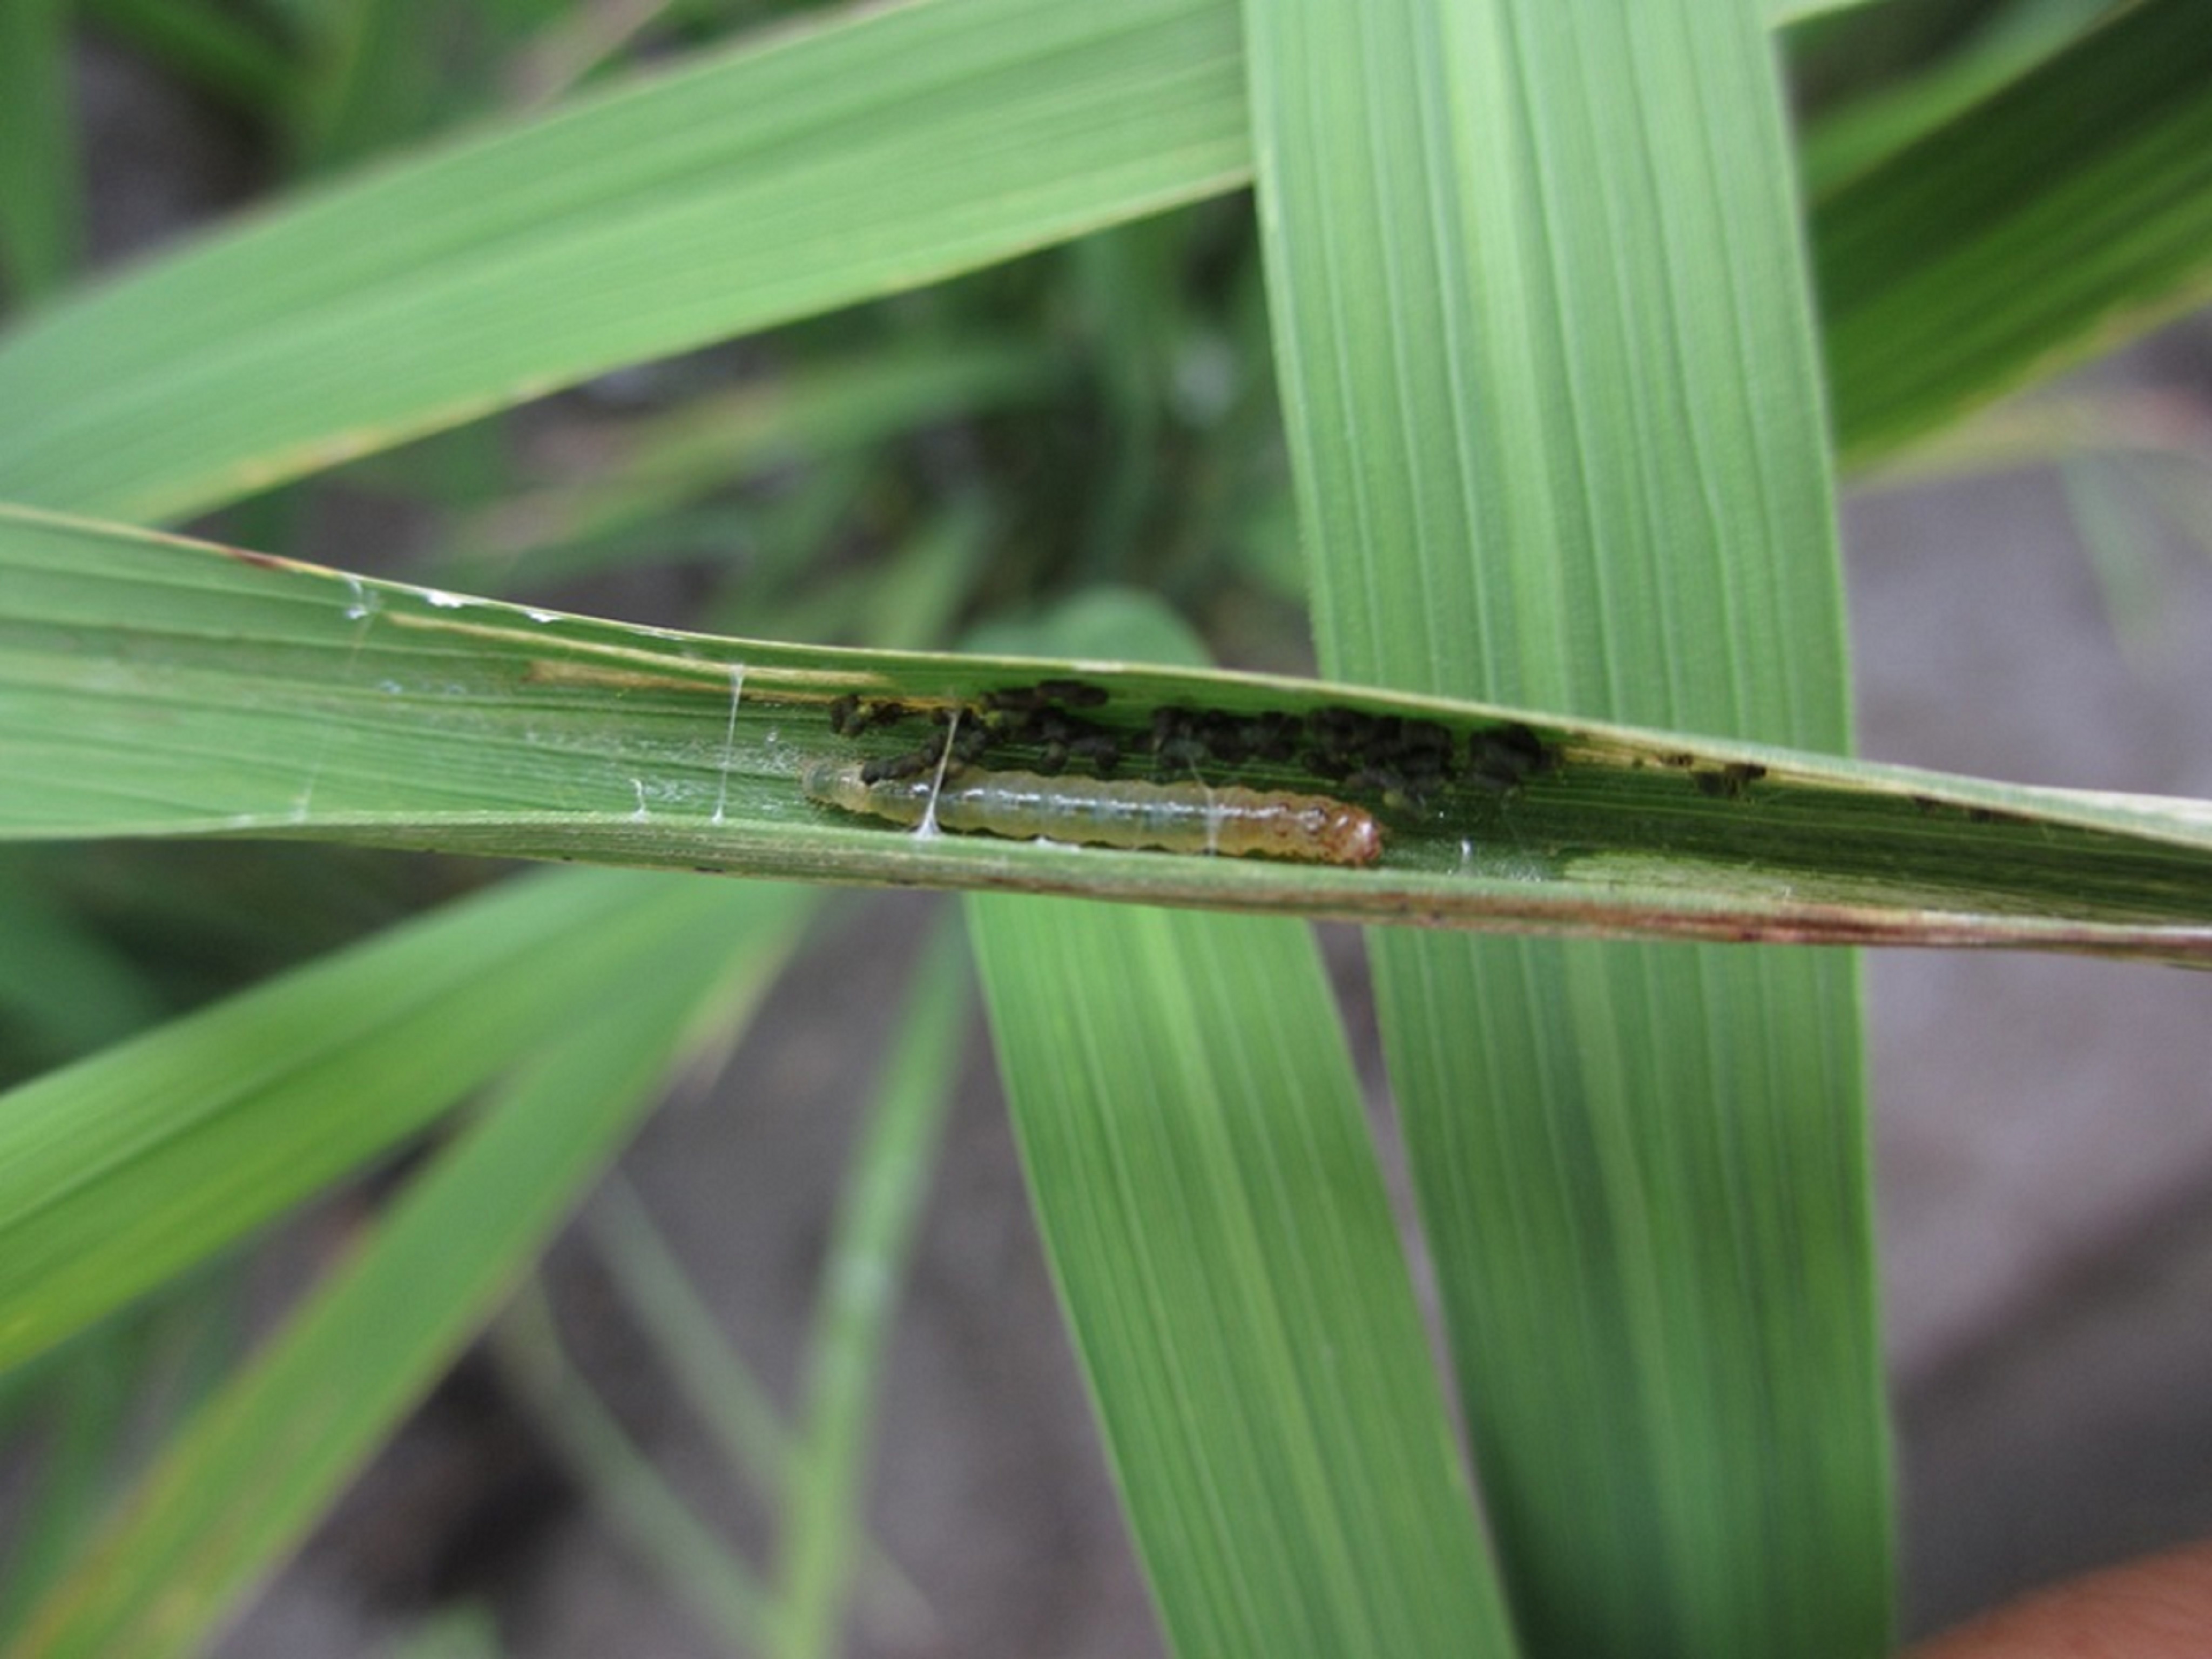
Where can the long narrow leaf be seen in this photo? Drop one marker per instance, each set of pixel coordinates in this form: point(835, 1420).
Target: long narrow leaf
point(1549, 369)
point(40, 185)
point(1195, 1146)
point(696, 1565)
point(684, 1332)
point(120, 1172)
point(2070, 211)
point(86, 1421)
point(202, 41)
point(861, 1277)
point(828, 163)
point(233, 1494)
point(874, 153)
point(659, 464)
point(1874, 124)
point(152, 687)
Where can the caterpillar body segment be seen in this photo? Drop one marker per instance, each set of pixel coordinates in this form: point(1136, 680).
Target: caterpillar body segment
point(1174, 817)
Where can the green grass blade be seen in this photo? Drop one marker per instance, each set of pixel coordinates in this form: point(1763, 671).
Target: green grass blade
point(235, 1493)
point(694, 1563)
point(1782, 12)
point(40, 209)
point(915, 603)
point(829, 162)
point(874, 153)
point(1218, 1231)
point(151, 687)
point(205, 42)
point(119, 1171)
point(685, 1335)
point(84, 1407)
point(2067, 213)
point(1548, 371)
point(887, 1180)
point(660, 463)
point(2118, 532)
point(64, 990)
point(2009, 41)
point(370, 79)
point(464, 1631)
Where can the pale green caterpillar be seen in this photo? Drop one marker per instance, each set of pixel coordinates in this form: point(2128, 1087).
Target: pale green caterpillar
point(1174, 817)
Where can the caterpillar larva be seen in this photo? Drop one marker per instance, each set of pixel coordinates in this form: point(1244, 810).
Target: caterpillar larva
point(1177, 817)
